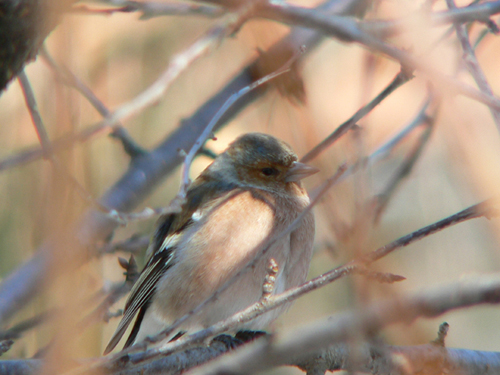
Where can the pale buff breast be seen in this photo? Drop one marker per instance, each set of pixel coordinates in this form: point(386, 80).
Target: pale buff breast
point(221, 243)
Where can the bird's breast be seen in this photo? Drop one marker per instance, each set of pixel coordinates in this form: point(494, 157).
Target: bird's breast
point(220, 244)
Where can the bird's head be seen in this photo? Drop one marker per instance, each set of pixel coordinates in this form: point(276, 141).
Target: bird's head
point(265, 162)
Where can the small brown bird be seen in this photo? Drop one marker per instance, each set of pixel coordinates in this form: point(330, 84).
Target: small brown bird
point(248, 195)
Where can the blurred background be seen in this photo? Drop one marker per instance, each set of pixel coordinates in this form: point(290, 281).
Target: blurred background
point(119, 55)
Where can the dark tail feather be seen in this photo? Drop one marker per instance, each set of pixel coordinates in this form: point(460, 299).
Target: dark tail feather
point(137, 326)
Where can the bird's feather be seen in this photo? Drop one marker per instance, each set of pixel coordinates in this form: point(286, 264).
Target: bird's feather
point(142, 291)
point(162, 249)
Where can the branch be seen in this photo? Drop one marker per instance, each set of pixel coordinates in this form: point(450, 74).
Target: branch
point(150, 9)
point(422, 119)
point(401, 78)
point(309, 341)
point(472, 64)
point(297, 38)
point(148, 97)
point(69, 79)
point(347, 29)
point(478, 11)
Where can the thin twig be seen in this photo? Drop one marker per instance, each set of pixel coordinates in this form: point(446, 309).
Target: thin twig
point(482, 209)
point(387, 147)
point(17, 330)
point(209, 129)
point(476, 12)
point(472, 64)
point(36, 119)
point(46, 145)
point(71, 80)
point(315, 338)
point(401, 78)
point(405, 168)
point(347, 29)
point(150, 9)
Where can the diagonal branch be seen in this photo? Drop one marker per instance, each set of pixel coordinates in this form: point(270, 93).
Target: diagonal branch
point(400, 79)
point(311, 340)
point(469, 57)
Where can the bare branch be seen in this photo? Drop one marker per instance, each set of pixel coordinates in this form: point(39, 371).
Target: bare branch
point(401, 78)
point(29, 96)
point(478, 11)
point(150, 9)
point(17, 330)
point(47, 149)
point(347, 29)
point(68, 78)
point(422, 118)
point(483, 209)
point(294, 40)
point(308, 341)
point(208, 131)
point(472, 64)
point(405, 168)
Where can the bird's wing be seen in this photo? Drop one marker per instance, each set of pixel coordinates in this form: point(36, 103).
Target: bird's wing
point(201, 195)
point(145, 286)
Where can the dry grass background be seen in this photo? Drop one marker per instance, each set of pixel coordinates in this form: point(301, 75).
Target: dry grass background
point(118, 56)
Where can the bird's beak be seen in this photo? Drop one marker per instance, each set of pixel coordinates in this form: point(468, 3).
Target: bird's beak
point(300, 171)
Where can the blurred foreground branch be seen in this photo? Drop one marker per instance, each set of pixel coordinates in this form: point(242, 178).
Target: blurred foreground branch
point(321, 346)
point(305, 345)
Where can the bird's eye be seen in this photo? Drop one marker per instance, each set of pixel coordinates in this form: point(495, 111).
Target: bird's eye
point(269, 171)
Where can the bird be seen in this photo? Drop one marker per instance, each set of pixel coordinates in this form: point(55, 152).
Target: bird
point(247, 196)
